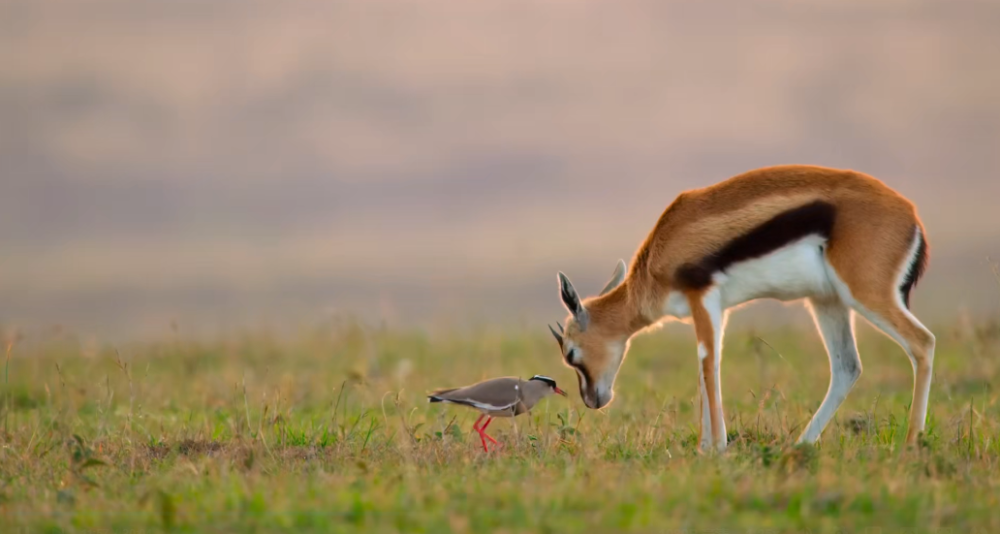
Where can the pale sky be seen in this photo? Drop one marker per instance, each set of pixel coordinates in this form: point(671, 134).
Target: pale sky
point(224, 159)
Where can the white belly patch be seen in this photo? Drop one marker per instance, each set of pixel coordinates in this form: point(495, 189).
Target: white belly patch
point(795, 271)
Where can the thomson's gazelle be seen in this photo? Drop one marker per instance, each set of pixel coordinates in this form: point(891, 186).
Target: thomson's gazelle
point(840, 239)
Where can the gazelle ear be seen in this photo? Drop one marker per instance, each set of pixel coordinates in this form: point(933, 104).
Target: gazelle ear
point(616, 277)
point(571, 300)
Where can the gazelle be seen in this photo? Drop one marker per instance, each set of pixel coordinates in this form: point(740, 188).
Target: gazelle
point(840, 239)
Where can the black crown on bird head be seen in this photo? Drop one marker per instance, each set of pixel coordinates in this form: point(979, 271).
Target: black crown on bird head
point(547, 380)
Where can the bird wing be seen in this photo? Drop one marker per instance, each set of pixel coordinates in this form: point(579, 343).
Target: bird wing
point(497, 394)
point(481, 405)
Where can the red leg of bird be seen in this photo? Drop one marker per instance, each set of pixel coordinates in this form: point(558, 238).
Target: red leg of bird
point(479, 431)
point(483, 430)
point(475, 426)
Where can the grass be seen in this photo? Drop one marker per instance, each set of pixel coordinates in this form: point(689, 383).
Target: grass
point(328, 430)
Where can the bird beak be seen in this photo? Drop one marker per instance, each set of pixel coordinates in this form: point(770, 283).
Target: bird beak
point(561, 392)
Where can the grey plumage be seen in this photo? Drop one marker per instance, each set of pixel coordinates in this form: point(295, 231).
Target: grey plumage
point(506, 396)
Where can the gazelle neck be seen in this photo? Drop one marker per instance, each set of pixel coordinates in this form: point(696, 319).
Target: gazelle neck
point(619, 311)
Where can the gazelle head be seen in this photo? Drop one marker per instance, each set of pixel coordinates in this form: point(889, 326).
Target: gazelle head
point(591, 344)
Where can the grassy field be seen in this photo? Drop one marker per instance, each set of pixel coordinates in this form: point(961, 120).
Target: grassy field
point(329, 430)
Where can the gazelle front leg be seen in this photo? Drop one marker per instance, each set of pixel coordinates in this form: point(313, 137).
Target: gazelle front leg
point(709, 323)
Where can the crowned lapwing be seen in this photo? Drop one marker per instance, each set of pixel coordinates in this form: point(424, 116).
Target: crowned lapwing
point(507, 396)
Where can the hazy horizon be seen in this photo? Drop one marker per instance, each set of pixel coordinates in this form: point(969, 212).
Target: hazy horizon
point(227, 161)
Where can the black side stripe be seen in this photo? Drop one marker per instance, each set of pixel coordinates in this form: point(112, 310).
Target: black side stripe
point(815, 218)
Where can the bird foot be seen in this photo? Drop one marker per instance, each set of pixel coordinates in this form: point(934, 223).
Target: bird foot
point(483, 436)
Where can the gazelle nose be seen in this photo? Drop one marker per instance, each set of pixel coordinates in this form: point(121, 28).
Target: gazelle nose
point(600, 399)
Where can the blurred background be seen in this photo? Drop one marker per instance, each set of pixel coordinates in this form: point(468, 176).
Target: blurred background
point(224, 163)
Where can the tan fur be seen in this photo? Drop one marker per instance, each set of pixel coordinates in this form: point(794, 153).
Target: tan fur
point(868, 245)
point(700, 220)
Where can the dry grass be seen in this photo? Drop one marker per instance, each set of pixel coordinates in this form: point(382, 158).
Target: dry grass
point(329, 431)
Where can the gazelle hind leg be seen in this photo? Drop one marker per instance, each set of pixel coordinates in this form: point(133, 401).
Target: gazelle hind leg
point(835, 324)
point(878, 292)
point(922, 359)
point(892, 318)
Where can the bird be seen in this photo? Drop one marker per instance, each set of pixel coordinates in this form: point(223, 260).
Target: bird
point(507, 396)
